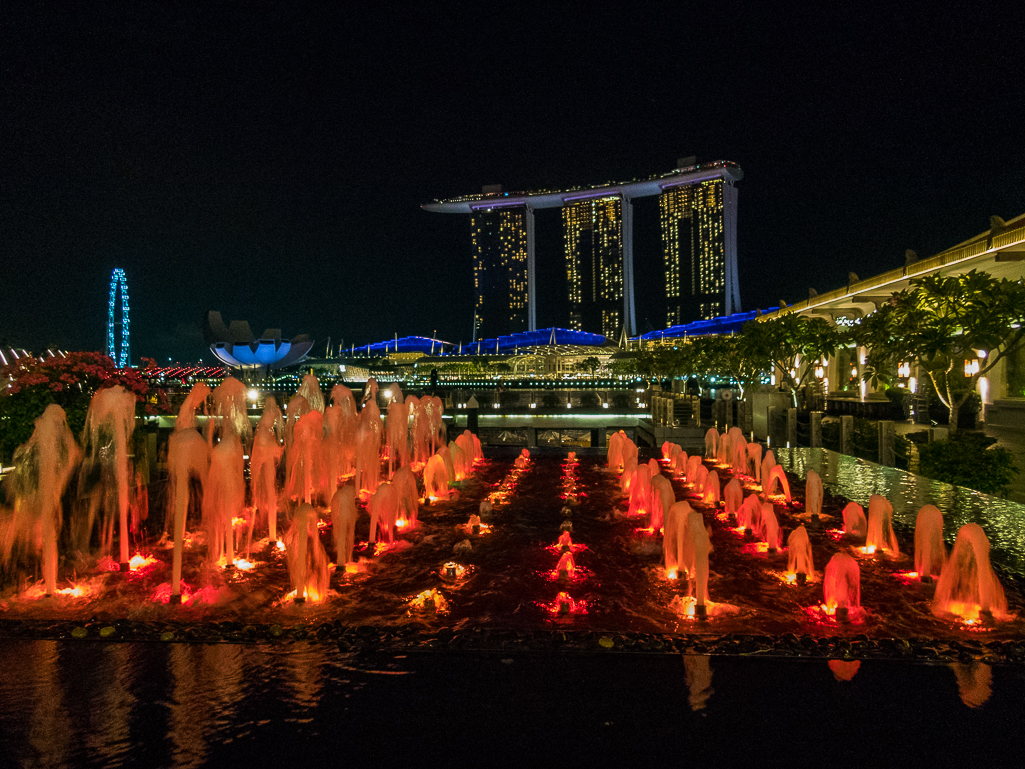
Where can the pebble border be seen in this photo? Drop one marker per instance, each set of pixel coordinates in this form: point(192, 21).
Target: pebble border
point(367, 638)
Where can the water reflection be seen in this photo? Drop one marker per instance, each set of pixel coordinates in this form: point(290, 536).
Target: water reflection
point(844, 670)
point(853, 478)
point(206, 686)
point(974, 682)
point(108, 735)
point(306, 704)
point(49, 731)
point(698, 670)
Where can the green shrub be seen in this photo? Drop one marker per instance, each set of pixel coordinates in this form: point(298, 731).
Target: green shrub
point(621, 399)
point(552, 400)
point(509, 398)
point(969, 460)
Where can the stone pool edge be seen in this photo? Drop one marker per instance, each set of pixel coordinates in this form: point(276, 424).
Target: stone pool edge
point(367, 638)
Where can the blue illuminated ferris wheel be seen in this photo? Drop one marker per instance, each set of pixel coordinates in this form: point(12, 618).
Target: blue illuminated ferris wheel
point(118, 279)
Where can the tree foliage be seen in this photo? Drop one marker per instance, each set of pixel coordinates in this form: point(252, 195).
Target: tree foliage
point(731, 356)
point(591, 364)
point(942, 321)
point(791, 344)
point(663, 362)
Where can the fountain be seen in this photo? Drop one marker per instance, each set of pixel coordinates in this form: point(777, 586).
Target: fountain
point(854, 523)
point(733, 498)
point(723, 452)
point(263, 470)
point(675, 522)
point(109, 425)
point(435, 478)
point(555, 486)
point(523, 459)
point(694, 548)
point(566, 567)
point(340, 423)
point(768, 462)
point(397, 433)
point(738, 456)
point(968, 587)
point(42, 469)
point(711, 443)
point(679, 461)
point(307, 559)
point(307, 473)
point(813, 495)
point(409, 506)
point(754, 459)
point(368, 455)
point(749, 517)
point(769, 528)
point(841, 587)
point(697, 480)
point(626, 478)
point(188, 457)
point(693, 464)
point(294, 411)
point(224, 497)
point(343, 523)
point(310, 390)
point(187, 414)
point(799, 559)
point(881, 536)
point(777, 476)
point(662, 498)
point(230, 415)
point(460, 462)
point(615, 456)
point(640, 491)
point(710, 489)
point(384, 512)
point(930, 552)
point(565, 541)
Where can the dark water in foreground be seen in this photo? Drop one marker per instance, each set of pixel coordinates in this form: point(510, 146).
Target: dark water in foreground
point(310, 705)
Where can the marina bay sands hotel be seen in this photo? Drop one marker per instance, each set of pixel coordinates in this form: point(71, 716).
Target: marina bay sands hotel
point(698, 212)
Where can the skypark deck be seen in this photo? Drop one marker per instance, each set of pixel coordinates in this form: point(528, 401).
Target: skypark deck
point(720, 169)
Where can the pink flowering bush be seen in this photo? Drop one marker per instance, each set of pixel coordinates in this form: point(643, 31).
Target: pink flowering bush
point(29, 385)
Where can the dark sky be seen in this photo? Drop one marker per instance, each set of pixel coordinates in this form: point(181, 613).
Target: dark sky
point(269, 161)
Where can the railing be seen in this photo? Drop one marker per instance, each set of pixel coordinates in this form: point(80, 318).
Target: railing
point(981, 246)
point(1009, 238)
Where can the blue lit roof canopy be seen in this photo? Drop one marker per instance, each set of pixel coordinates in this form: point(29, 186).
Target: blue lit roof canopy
point(726, 324)
point(238, 347)
point(494, 346)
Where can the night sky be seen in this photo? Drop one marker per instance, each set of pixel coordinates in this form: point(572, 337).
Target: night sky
point(270, 162)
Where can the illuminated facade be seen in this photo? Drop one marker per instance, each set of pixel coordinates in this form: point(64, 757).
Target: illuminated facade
point(701, 279)
point(500, 271)
point(593, 234)
point(699, 251)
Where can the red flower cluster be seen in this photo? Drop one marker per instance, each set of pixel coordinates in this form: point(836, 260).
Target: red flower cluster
point(88, 371)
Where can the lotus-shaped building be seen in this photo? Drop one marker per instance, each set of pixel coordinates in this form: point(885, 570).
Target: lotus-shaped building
point(238, 347)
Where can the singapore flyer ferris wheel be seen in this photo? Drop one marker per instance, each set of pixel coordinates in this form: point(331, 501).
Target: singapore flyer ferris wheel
point(121, 359)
